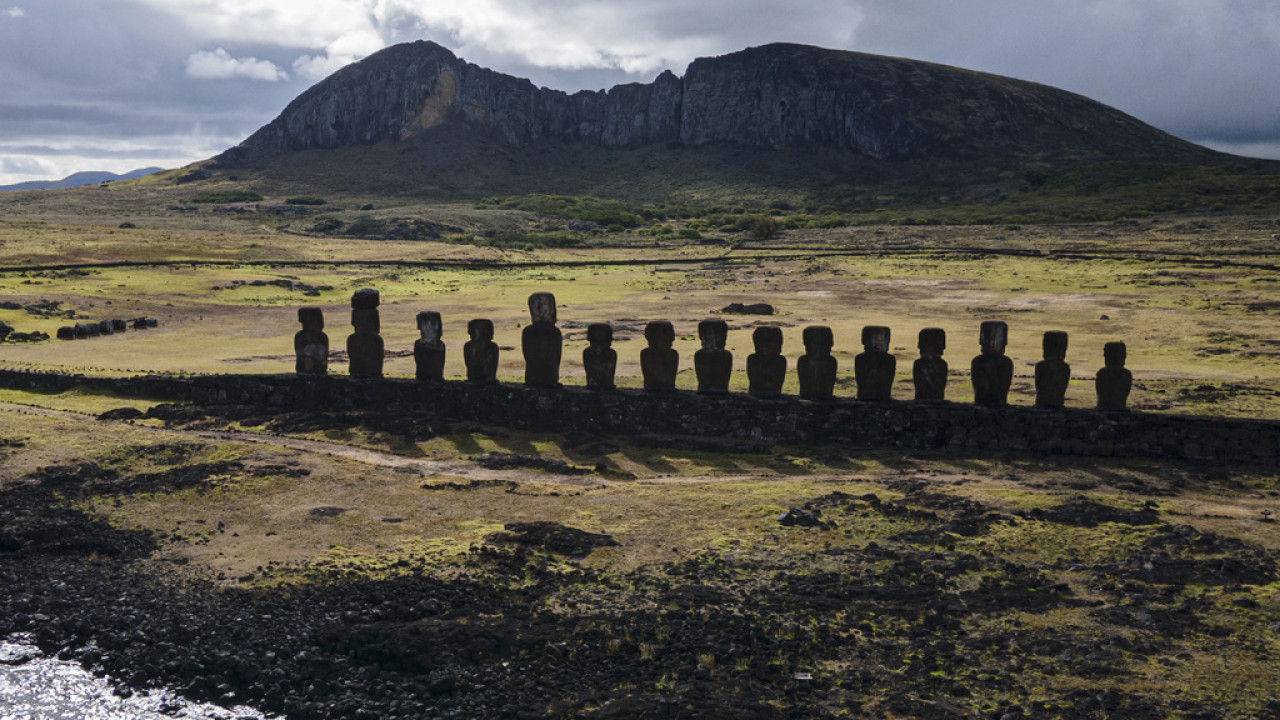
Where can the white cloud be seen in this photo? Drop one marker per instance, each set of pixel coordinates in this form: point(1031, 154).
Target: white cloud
point(15, 12)
point(25, 166)
point(219, 65)
point(632, 37)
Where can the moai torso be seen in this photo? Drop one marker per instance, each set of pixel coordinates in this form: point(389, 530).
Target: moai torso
point(310, 344)
point(992, 372)
point(874, 367)
point(713, 364)
point(480, 353)
point(364, 346)
point(1053, 374)
point(1114, 380)
point(599, 359)
point(816, 369)
point(930, 371)
point(542, 343)
point(429, 350)
point(766, 367)
point(659, 362)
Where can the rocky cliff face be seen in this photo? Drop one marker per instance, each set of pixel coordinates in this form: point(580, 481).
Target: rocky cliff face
point(776, 96)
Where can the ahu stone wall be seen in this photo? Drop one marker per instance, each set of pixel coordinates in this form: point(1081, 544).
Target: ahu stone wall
point(677, 416)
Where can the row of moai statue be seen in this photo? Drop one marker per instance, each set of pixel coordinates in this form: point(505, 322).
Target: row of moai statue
point(991, 372)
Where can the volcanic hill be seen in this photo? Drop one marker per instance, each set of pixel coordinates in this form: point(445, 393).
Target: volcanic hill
point(415, 114)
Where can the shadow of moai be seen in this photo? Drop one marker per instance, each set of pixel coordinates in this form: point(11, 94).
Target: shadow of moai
point(542, 342)
point(310, 344)
point(659, 362)
point(766, 367)
point(480, 353)
point(929, 372)
point(1114, 381)
point(599, 359)
point(1053, 374)
point(992, 372)
point(874, 367)
point(429, 350)
point(364, 346)
point(713, 364)
point(816, 369)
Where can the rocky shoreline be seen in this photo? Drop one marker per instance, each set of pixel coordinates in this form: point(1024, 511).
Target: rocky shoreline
point(521, 628)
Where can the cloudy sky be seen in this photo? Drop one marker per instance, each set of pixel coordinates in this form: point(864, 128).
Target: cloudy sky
point(121, 84)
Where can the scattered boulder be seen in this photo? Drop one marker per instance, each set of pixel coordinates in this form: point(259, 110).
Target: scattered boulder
point(553, 537)
point(802, 518)
point(752, 309)
point(121, 413)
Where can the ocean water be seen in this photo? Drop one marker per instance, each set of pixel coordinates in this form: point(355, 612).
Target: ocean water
point(34, 686)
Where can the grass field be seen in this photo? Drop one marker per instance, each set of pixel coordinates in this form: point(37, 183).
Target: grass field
point(1195, 298)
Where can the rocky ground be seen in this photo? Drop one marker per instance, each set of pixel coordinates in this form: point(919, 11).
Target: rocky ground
point(919, 599)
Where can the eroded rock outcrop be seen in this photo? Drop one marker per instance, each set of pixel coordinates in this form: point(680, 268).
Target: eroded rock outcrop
point(775, 96)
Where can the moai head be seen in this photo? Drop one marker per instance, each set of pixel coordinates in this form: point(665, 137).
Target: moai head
point(542, 307)
point(1055, 345)
point(430, 326)
point(818, 340)
point(875, 338)
point(768, 340)
point(932, 341)
point(993, 336)
point(713, 333)
point(1114, 354)
point(660, 334)
point(312, 318)
point(364, 299)
point(480, 329)
point(600, 335)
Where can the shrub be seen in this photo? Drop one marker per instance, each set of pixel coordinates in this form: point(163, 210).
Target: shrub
point(763, 227)
point(304, 200)
point(228, 196)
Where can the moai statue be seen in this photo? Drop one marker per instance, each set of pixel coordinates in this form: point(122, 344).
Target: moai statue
point(541, 342)
point(1053, 373)
point(310, 344)
point(429, 350)
point(930, 371)
point(816, 369)
point(766, 367)
point(599, 359)
point(713, 364)
point(480, 353)
point(874, 367)
point(659, 361)
point(992, 372)
point(364, 346)
point(1114, 381)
